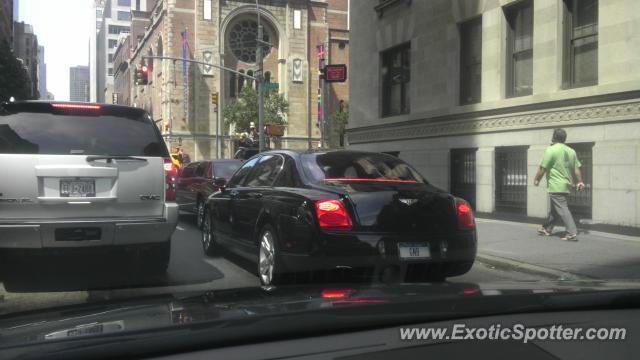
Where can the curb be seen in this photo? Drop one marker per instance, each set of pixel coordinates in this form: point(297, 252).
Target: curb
point(580, 230)
point(509, 264)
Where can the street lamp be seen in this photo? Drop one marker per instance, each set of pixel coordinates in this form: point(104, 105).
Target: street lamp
point(260, 79)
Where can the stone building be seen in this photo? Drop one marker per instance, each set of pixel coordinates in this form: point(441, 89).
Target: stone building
point(42, 74)
point(79, 83)
point(122, 69)
point(6, 22)
point(469, 92)
point(113, 20)
point(25, 48)
point(223, 32)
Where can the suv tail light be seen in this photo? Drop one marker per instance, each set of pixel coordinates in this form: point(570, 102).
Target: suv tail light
point(170, 180)
point(466, 220)
point(332, 215)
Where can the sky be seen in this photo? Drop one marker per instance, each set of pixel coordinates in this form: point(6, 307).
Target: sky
point(63, 27)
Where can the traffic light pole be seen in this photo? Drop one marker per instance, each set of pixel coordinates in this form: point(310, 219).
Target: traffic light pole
point(201, 63)
point(260, 83)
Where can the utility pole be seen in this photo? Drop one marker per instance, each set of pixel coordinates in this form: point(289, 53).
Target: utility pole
point(321, 96)
point(260, 82)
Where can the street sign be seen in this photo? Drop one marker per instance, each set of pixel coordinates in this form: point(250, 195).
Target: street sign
point(214, 98)
point(335, 73)
point(271, 86)
point(207, 56)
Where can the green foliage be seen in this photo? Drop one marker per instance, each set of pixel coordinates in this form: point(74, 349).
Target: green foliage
point(13, 78)
point(244, 110)
point(339, 119)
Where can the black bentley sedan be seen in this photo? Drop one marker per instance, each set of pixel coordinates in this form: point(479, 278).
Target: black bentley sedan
point(298, 213)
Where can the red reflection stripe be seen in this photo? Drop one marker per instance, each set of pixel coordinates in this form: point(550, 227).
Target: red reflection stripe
point(358, 301)
point(76, 106)
point(372, 180)
point(336, 293)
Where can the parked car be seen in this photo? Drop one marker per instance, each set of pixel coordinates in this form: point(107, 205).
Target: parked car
point(244, 153)
point(85, 176)
point(295, 212)
point(196, 182)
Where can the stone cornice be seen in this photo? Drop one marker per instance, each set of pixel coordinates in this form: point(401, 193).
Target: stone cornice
point(446, 126)
point(386, 4)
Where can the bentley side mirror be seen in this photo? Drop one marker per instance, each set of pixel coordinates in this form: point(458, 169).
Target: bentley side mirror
point(220, 182)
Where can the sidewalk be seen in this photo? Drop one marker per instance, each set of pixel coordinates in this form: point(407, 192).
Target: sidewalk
point(596, 255)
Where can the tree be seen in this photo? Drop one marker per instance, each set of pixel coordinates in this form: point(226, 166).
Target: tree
point(244, 110)
point(339, 120)
point(13, 77)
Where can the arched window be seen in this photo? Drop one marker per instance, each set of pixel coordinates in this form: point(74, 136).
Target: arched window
point(232, 85)
point(240, 81)
point(250, 73)
point(267, 77)
point(242, 40)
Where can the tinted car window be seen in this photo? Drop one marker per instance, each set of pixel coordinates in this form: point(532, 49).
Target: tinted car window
point(240, 175)
point(353, 165)
point(266, 171)
point(201, 169)
point(92, 134)
point(225, 169)
point(289, 176)
point(189, 171)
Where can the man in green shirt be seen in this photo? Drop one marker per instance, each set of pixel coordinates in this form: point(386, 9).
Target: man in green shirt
point(561, 164)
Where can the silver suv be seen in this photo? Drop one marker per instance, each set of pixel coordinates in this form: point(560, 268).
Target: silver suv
point(79, 175)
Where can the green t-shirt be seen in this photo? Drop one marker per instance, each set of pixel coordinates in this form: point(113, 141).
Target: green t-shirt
point(560, 162)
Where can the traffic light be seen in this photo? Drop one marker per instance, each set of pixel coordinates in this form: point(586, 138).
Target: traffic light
point(137, 76)
point(141, 76)
point(214, 98)
point(144, 80)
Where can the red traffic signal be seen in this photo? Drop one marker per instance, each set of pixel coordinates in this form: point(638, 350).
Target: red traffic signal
point(141, 76)
point(335, 73)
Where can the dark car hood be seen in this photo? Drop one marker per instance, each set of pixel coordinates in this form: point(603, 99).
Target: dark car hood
point(245, 306)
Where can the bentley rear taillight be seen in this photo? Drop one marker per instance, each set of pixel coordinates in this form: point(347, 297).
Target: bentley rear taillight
point(466, 220)
point(332, 215)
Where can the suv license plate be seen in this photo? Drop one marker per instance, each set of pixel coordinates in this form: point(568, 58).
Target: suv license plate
point(414, 251)
point(77, 188)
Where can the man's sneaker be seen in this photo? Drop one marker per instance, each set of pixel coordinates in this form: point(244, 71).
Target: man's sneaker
point(543, 231)
point(570, 237)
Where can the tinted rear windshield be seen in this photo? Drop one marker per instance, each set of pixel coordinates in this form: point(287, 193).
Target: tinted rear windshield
point(358, 167)
point(225, 169)
point(95, 133)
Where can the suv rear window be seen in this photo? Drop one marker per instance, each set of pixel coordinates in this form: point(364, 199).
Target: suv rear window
point(225, 169)
point(110, 132)
point(355, 166)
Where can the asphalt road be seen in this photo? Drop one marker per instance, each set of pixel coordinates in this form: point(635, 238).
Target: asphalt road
point(40, 284)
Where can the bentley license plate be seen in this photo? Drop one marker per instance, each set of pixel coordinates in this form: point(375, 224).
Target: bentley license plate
point(414, 251)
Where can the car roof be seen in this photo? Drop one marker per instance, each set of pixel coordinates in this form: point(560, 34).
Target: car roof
point(36, 103)
point(216, 161)
point(295, 153)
